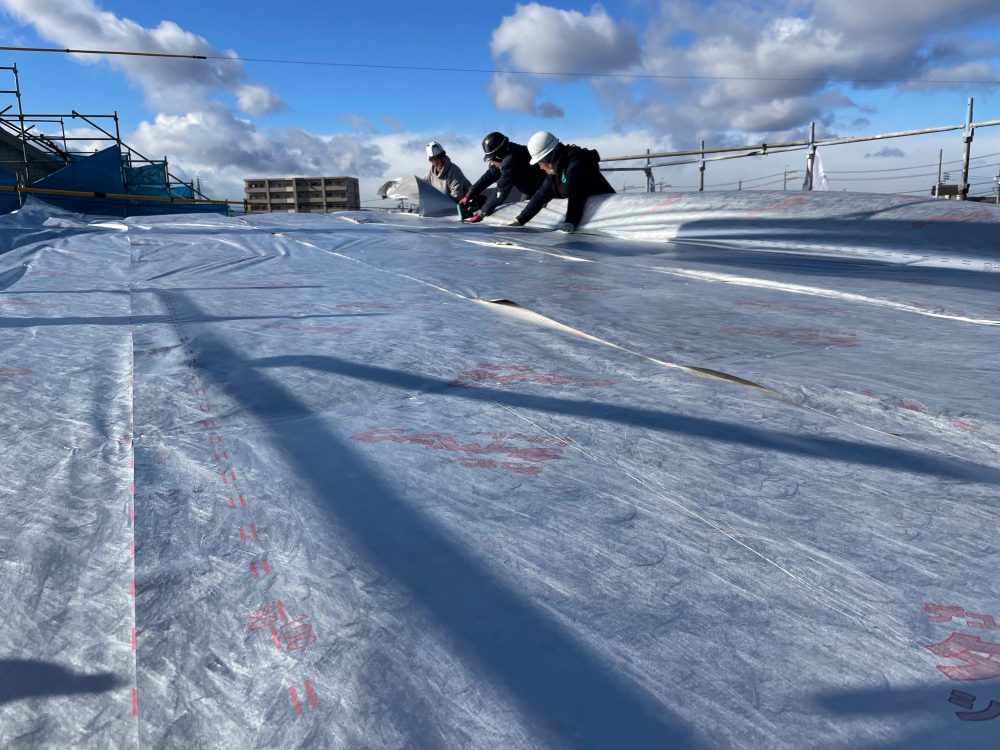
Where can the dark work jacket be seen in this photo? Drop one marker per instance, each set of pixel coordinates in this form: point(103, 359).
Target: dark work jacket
point(514, 172)
point(576, 176)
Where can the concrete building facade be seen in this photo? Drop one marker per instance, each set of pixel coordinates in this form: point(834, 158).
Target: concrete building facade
point(302, 194)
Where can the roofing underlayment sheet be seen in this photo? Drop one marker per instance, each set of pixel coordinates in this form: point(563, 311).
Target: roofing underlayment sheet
point(722, 471)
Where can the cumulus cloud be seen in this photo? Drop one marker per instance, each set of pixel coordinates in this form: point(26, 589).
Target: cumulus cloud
point(557, 45)
point(224, 150)
point(258, 100)
point(170, 85)
point(737, 70)
point(518, 94)
point(199, 133)
point(886, 152)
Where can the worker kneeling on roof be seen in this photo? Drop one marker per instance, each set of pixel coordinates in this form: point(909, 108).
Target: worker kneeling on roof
point(573, 173)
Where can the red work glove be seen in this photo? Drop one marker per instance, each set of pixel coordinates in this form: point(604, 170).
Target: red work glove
point(478, 216)
point(464, 200)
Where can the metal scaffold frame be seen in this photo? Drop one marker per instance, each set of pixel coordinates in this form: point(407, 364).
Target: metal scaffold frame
point(42, 152)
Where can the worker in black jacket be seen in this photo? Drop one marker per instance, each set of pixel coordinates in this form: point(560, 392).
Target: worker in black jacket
point(573, 173)
point(509, 168)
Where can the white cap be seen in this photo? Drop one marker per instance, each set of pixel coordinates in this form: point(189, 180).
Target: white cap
point(434, 149)
point(540, 145)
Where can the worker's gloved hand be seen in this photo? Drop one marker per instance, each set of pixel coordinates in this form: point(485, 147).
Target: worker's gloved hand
point(463, 200)
point(567, 228)
point(476, 217)
point(515, 223)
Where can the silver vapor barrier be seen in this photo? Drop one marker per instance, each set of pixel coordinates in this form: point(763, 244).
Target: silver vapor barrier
point(717, 471)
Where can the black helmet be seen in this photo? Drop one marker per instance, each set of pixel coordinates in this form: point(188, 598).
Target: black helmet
point(495, 146)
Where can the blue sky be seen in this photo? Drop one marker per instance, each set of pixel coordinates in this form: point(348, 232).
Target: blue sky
point(702, 70)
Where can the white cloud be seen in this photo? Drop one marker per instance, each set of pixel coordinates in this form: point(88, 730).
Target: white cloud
point(257, 100)
point(518, 94)
point(761, 68)
point(553, 42)
point(170, 85)
point(224, 150)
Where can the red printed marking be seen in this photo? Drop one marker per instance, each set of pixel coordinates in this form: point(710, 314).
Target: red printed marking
point(281, 610)
point(274, 637)
point(225, 455)
point(298, 633)
point(228, 477)
point(295, 700)
point(782, 204)
point(253, 570)
point(966, 425)
point(243, 536)
point(131, 589)
point(131, 487)
point(232, 503)
point(500, 444)
point(312, 696)
point(263, 564)
point(214, 439)
point(208, 423)
point(205, 407)
point(253, 533)
point(132, 548)
point(982, 658)
point(135, 701)
point(949, 612)
point(131, 514)
point(133, 639)
point(243, 502)
point(13, 372)
point(199, 391)
point(914, 406)
point(663, 203)
point(803, 336)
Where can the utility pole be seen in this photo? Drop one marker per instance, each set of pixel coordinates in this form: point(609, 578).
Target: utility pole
point(808, 184)
point(968, 133)
point(740, 187)
point(701, 170)
point(650, 182)
point(997, 180)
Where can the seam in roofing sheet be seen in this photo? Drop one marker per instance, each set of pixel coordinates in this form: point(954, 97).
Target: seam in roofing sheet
point(515, 310)
point(513, 246)
point(822, 595)
point(814, 291)
point(529, 315)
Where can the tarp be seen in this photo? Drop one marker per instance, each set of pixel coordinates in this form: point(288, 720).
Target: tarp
point(347, 481)
point(8, 199)
point(430, 200)
point(98, 173)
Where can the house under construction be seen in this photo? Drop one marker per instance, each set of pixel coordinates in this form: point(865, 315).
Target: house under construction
point(95, 173)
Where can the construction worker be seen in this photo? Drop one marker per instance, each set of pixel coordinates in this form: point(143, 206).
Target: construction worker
point(573, 173)
point(509, 169)
point(445, 174)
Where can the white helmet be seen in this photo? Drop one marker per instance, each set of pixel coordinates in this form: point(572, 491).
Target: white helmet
point(434, 149)
point(540, 145)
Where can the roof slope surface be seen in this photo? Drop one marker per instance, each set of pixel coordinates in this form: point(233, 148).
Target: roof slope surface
point(300, 481)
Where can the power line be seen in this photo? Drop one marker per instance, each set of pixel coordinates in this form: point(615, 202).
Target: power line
point(916, 166)
point(563, 73)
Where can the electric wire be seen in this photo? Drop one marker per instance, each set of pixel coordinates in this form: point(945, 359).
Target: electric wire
point(498, 71)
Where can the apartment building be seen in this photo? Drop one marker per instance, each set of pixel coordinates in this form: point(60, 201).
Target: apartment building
point(302, 194)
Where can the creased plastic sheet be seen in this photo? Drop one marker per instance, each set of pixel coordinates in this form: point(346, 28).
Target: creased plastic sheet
point(402, 482)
